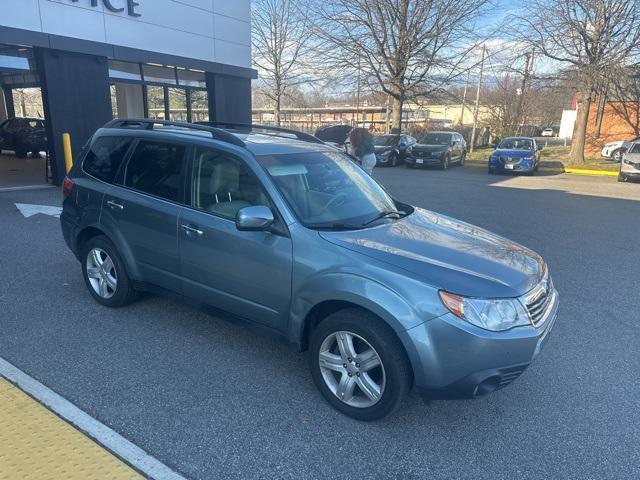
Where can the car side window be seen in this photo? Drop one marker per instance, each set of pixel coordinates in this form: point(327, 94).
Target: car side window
point(222, 184)
point(155, 168)
point(105, 157)
point(635, 148)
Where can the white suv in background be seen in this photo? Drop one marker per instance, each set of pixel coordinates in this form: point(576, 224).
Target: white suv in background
point(615, 150)
point(630, 165)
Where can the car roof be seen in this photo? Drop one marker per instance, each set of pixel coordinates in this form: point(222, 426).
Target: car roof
point(255, 142)
point(266, 144)
point(517, 138)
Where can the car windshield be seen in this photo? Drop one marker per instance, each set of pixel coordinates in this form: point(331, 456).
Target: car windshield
point(327, 190)
point(436, 139)
point(516, 144)
point(386, 140)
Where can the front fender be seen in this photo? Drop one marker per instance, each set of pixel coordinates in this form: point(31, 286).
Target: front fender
point(355, 289)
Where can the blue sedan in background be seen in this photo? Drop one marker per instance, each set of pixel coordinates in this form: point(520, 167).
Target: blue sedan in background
point(516, 154)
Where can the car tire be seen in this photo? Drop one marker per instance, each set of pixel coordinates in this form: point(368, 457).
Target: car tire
point(105, 274)
point(463, 157)
point(394, 161)
point(445, 162)
point(622, 177)
point(21, 152)
point(616, 155)
point(388, 378)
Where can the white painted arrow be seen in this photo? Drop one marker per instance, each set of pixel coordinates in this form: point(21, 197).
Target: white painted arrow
point(31, 210)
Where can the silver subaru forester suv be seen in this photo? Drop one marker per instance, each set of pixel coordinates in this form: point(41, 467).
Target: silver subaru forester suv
point(285, 232)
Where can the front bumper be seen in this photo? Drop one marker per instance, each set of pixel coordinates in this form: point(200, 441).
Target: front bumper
point(424, 161)
point(453, 359)
point(630, 170)
point(520, 165)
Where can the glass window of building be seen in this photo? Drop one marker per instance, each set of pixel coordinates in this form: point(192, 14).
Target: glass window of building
point(199, 106)
point(124, 70)
point(190, 78)
point(155, 102)
point(178, 105)
point(158, 74)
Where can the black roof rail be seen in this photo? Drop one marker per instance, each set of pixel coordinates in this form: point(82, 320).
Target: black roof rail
point(305, 137)
point(149, 124)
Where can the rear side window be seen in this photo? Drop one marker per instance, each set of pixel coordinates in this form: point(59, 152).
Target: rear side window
point(156, 169)
point(105, 157)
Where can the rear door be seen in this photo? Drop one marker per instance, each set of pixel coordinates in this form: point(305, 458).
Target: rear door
point(245, 273)
point(142, 211)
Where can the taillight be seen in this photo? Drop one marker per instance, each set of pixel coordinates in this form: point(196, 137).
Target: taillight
point(67, 186)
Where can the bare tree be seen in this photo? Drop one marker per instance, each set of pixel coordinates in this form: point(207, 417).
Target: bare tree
point(406, 48)
point(588, 39)
point(624, 93)
point(282, 41)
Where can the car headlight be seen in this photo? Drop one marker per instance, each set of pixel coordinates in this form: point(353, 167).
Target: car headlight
point(491, 314)
point(527, 159)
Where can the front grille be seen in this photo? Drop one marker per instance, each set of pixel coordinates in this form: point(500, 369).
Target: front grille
point(540, 302)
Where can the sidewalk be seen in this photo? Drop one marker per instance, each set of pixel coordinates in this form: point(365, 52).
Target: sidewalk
point(37, 444)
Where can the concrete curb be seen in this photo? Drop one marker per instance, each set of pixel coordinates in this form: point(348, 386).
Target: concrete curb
point(574, 171)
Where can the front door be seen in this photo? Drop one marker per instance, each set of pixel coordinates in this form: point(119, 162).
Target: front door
point(245, 273)
point(144, 210)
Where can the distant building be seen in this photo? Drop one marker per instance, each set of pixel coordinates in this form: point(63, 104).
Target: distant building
point(374, 117)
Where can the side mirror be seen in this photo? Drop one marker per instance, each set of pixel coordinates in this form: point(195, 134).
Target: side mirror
point(258, 218)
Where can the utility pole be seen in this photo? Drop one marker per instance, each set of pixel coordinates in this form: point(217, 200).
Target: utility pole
point(388, 112)
point(464, 99)
point(523, 89)
point(358, 96)
point(477, 108)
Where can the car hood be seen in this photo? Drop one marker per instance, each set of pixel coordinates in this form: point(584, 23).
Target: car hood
point(505, 152)
point(380, 150)
point(448, 254)
point(420, 147)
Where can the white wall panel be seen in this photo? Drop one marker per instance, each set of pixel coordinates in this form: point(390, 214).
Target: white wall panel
point(210, 30)
point(23, 14)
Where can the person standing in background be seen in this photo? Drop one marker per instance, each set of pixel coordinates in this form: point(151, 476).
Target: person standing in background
point(363, 149)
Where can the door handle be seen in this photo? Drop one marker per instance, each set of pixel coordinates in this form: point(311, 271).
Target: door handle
point(115, 206)
point(189, 229)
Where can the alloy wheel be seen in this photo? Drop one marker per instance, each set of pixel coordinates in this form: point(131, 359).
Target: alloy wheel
point(102, 273)
point(352, 369)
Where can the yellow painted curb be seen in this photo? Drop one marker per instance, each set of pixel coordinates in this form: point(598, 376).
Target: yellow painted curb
point(37, 444)
point(581, 171)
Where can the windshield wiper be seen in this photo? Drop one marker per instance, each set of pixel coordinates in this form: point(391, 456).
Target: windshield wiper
point(333, 226)
point(384, 214)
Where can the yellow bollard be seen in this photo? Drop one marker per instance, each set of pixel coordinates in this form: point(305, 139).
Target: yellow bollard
point(68, 156)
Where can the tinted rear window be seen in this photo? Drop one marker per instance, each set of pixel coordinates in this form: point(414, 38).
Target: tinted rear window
point(156, 168)
point(105, 157)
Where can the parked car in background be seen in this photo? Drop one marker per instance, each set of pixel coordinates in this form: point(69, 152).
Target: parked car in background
point(288, 234)
point(615, 150)
point(438, 149)
point(517, 155)
point(548, 132)
point(23, 136)
point(630, 164)
point(392, 149)
point(335, 135)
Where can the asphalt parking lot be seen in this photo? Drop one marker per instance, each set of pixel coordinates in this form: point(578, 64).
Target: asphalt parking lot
point(212, 399)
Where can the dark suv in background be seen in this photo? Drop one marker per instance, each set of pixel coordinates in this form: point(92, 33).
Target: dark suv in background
point(285, 232)
point(439, 149)
point(392, 149)
point(23, 136)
